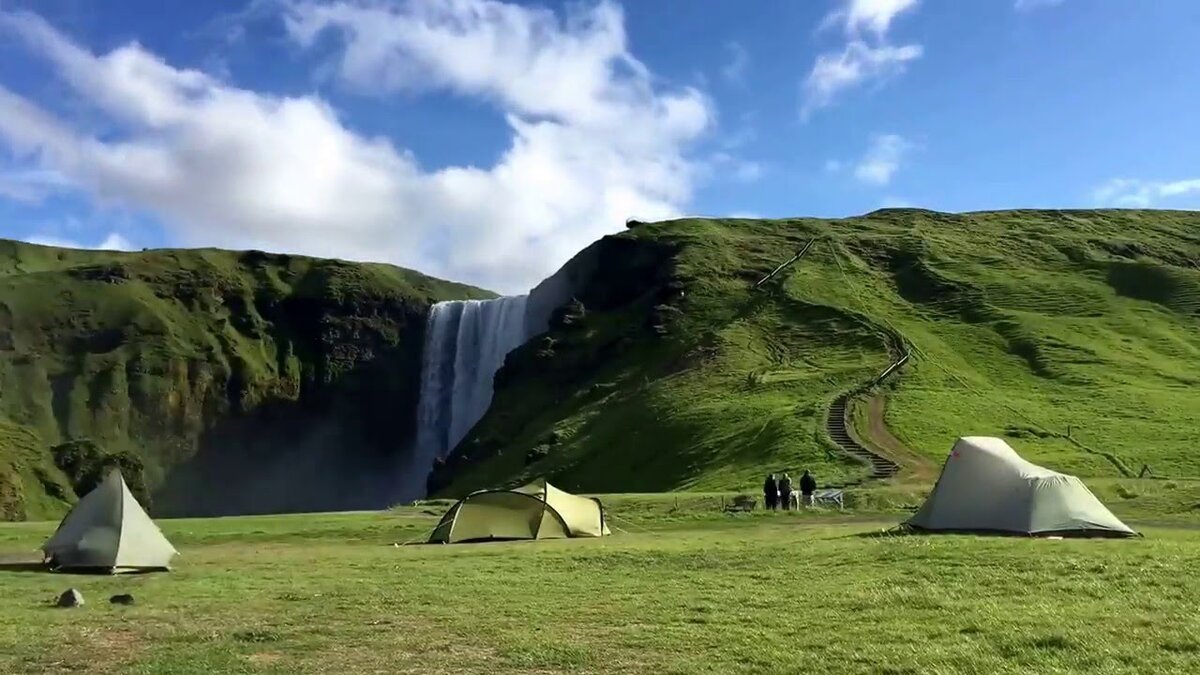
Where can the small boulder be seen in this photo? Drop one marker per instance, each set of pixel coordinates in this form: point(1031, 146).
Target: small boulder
point(122, 599)
point(71, 598)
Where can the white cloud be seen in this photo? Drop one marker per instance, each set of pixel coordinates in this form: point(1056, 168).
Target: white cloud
point(578, 71)
point(896, 203)
point(882, 159)
point(1136, 193)
point(734, 70)
point(875, 16)
point(866, 56)
point(30, 186)
point(734, 168)
point(834, 72)
point(113, 242)
point(748, 172)
point(1179, 187)
point(594, 140)
point(1030, 5)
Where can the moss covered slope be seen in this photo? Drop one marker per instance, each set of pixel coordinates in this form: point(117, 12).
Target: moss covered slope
point(673, 372)
point(243, 382)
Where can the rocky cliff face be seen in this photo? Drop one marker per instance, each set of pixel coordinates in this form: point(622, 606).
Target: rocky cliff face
point(242, 382)
point(614, 295)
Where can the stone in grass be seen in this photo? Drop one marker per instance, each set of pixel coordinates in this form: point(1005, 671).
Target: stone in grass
point(71, 598)
point(122, 599)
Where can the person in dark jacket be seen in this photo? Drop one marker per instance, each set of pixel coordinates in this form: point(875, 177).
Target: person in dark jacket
point(808, 485)
point(771, 492)
point(785, 492)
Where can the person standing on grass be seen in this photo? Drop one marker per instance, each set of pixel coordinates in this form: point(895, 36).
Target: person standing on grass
point(785, 491)
point(808, 485)
point(771, 492)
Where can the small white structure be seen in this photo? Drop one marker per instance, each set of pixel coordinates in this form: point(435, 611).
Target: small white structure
point(834, 497)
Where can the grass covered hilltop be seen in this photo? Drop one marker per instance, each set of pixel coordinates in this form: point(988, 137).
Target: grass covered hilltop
point(673, 372)
point(291, 383)
point(224, 382)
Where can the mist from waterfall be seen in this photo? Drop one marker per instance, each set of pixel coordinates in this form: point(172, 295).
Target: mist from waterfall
point(465, 344)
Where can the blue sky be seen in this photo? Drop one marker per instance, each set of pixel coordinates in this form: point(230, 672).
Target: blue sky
point(486, 141)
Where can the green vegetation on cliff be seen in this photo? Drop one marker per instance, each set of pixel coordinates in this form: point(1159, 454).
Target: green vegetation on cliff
point(673, 372)
point(240, 382)
point(247, 382)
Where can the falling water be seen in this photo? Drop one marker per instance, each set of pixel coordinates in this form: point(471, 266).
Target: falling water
point(465, 344)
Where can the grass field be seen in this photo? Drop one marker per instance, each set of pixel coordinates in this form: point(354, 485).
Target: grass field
point(680, 588)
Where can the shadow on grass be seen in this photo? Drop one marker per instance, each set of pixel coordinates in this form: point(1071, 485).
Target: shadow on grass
point(35, 567)
point(26, 566)
point(906, 531)
point(890, 533)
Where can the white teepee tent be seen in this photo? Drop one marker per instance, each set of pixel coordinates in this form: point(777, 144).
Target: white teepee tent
point(986, 486)
point(109, 530)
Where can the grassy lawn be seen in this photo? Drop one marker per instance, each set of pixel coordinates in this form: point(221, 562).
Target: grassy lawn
point(679, 589)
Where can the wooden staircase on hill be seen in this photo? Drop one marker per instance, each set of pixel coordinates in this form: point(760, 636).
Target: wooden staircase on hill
point(790, 261)
point(838, 425)
point(836, 422)
point(838, 428)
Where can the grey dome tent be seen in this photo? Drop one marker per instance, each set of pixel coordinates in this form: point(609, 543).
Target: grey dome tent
point(986, 486)
point(108, 531)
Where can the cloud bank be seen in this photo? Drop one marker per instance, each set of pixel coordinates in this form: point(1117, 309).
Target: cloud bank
point(594, 139)
point(882, 159)
point(1141, 194)
point(866, 56)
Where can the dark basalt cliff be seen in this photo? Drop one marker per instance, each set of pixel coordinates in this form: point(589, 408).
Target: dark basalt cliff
point(229, 382)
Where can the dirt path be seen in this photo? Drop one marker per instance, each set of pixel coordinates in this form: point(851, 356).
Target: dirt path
point(881, 439)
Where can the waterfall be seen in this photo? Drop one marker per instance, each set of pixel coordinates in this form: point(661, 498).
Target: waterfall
point(465, 344)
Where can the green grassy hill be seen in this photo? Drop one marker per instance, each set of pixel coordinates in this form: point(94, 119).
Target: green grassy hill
point(246, 382)
point(238, 381)
point(673, 372)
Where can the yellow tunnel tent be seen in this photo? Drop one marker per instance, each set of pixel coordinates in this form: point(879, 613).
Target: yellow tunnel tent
point(534, 511)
